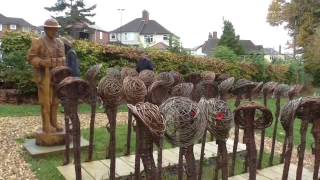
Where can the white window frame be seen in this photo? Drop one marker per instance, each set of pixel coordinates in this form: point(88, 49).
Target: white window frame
point(165, 37)
point(113, 36)
point(148, 38)
point(0, 27)
point(100, 35)
point(13, 26)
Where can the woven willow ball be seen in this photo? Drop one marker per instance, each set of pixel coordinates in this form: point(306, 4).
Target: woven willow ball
point(243, 86)
point(59, 73)
point(158, 92)
point(295, 90)
point(184, 125)
point(147, 76)
point(177, 77)
point(258, 88)
point(73, 88)
point(208, 75)
point(113, 73)
point(149, 114)
point(281, 90)
point(182, 89)
point(134, 90)
point(269, 87)
point(288, 113)
point(226, 85)
point(263, 116)
point(193, 78)
point(221, 77)
point(207, 89)
point(219, 116)
point(92, 73)
point(309, 109)
point(166, 77)
point(126, 71)
point(110, 91)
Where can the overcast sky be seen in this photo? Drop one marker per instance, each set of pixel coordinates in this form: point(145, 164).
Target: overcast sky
point(191, 20)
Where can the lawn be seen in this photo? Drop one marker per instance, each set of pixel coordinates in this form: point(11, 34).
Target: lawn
point(45, 167)
point(8, 110)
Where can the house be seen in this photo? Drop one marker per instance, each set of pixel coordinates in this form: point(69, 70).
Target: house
point(13, 24)
point(142, 32)
point(271, 55)
point(209, 46)
point(85, 31)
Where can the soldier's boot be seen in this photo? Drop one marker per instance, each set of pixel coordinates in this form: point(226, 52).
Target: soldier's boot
point(53, 119)
point(46, 125)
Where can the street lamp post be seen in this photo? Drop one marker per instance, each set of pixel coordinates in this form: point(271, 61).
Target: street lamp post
point(121, 10)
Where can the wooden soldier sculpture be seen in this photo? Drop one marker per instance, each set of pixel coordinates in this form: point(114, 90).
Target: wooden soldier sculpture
point(46, 53)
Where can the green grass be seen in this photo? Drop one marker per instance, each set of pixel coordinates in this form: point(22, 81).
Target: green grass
point(45, 167)
point(8, 110)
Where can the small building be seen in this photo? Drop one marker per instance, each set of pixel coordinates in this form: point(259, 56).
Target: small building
point(142, 32)
point(14, 24)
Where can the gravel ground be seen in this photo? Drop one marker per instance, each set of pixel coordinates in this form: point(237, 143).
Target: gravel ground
point(13, 165)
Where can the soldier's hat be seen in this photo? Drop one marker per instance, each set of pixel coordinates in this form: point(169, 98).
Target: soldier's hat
point(51, 23)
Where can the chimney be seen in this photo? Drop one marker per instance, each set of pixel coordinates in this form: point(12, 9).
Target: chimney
point(215, 35)
point(210, 35)
point(280, 49)
point(145, 15)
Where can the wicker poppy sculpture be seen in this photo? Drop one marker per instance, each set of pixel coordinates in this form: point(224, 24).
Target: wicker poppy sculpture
point(306, 109)
point(92, 79)
point(110, 91)
point(70, 91)
point(225, 87)
point(150, 129)
point(182, 89)
point(281, 90)
point(129, 72)
point(219, 118)
point(184, 127)
point(251, 116)
point(242, 88)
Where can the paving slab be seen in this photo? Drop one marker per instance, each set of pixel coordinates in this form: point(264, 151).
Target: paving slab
point(35, 150)
point(68, 172)
point(96, 169)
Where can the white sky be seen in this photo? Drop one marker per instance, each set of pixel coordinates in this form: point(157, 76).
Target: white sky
point(190, 20)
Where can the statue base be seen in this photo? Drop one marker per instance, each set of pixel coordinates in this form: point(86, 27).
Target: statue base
point(50, 139)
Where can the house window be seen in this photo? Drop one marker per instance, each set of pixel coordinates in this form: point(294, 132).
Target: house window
point(100, 35)
point(0, 27)
point(13, 27)
point(165, 37)
point(148, 38)
point(125, 36)
point(113, 36)
point(42, 33)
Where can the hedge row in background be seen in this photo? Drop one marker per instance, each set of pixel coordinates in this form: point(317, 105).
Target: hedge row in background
point(17, 74)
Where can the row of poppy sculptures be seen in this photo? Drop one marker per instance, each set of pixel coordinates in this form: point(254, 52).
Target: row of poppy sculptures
point(157, 93)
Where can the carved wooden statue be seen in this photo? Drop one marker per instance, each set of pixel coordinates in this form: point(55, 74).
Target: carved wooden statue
point(46, 53)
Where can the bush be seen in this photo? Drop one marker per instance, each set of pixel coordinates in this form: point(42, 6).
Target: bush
point(225, 53)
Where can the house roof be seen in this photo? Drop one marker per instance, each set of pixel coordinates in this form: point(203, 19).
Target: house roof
point(250, 47)
point(12, 20)
point(270, 51)
point(143, 26)
point(210, 45)
point(160, 45)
